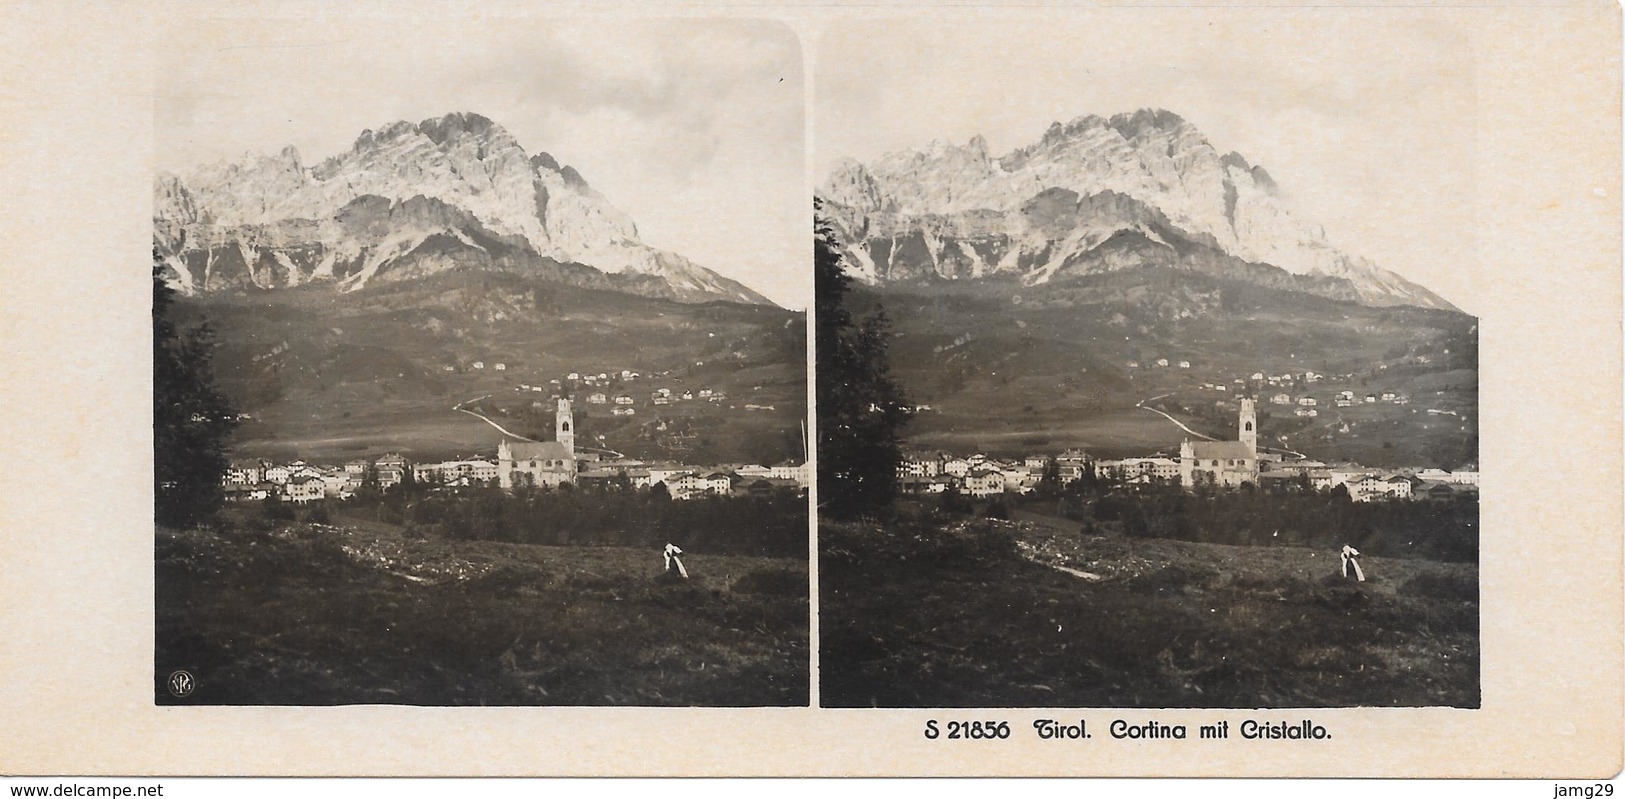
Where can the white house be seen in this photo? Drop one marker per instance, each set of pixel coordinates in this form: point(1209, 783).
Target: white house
point(303, 490)
point(1442, 476)
point(919, 466)
point(984, 482)
point(790, 470)
point(244, 473)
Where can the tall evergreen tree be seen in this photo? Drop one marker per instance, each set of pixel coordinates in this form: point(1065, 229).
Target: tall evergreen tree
point(190, 418)
point(861, 410)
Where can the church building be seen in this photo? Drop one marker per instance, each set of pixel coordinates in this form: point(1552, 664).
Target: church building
point(541, 463)
point(1226, 464)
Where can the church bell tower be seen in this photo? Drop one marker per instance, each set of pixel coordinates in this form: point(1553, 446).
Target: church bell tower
point(1247, 432)
point(564, 426)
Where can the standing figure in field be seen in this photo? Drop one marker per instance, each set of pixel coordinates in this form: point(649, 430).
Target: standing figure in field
point(1351, 558)
point(672, 560)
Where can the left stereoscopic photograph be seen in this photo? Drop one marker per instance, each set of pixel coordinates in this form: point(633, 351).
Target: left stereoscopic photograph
point(480, 369)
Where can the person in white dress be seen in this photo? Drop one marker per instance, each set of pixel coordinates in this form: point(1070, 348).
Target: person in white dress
point(671, 554)
point(1351, 558)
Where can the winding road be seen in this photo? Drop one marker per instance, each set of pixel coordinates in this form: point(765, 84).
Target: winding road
point(1142, 406)
point(505, 431)
point(500, 429)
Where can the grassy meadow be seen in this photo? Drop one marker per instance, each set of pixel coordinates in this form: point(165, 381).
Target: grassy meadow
point(358, 612)
point(938, 611)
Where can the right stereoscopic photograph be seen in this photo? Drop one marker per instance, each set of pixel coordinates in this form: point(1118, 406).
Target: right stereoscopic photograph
point(1147, 364)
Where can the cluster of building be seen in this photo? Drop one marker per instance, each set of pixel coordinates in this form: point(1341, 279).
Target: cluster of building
point(1217, 464)
point(1343, 399)
point(617, 394)
point(1298, 395)
point(517, 464)
point(301, 483)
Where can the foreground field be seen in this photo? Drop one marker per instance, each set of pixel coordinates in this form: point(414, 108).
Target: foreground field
point(318, 615)
point(984, 613)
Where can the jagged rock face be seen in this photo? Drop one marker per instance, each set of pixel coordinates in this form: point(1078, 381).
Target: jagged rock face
point(1092, 195)
point(404, 201)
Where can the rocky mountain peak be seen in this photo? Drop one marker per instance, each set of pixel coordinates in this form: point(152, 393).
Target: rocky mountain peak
point(458, 124)
point(1148, 122)
point(956, 212)
point(461, 161)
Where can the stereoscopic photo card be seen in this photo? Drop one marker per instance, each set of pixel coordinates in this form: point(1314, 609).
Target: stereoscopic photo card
point(835, 390)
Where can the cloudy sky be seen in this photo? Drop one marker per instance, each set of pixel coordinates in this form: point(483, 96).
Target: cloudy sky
point(1365, 118)
point(692, 127)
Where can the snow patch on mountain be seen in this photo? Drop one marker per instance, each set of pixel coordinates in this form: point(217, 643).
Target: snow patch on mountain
point(462, 162)
point(1156, 174)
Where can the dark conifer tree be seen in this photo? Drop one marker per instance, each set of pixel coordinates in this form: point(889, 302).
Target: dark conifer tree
point(190, 418)
point(861, 410)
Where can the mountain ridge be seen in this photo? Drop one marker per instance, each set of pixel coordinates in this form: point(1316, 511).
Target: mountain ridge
point(948, 211)
point(292, 224)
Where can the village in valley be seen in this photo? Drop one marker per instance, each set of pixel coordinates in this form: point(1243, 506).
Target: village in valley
point(1205, 461)
point(979, 475)
point(517, 461)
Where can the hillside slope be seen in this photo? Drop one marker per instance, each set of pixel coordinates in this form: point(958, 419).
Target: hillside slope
point(1006, 369)
point(326, 375)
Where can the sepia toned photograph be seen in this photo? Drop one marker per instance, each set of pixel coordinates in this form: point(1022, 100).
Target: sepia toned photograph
point(1145, 378)
point(454, 391)
point(480, 370)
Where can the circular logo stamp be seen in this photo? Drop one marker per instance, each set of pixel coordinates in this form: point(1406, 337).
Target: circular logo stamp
point(181, 683)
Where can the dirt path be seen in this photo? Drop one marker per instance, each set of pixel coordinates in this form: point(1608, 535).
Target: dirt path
point(504, 431)
point(1142, 406)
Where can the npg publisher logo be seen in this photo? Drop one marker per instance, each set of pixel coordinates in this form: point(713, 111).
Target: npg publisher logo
point(181, 683)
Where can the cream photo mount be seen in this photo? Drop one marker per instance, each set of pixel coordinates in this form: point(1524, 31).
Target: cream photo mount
point(77, 673)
